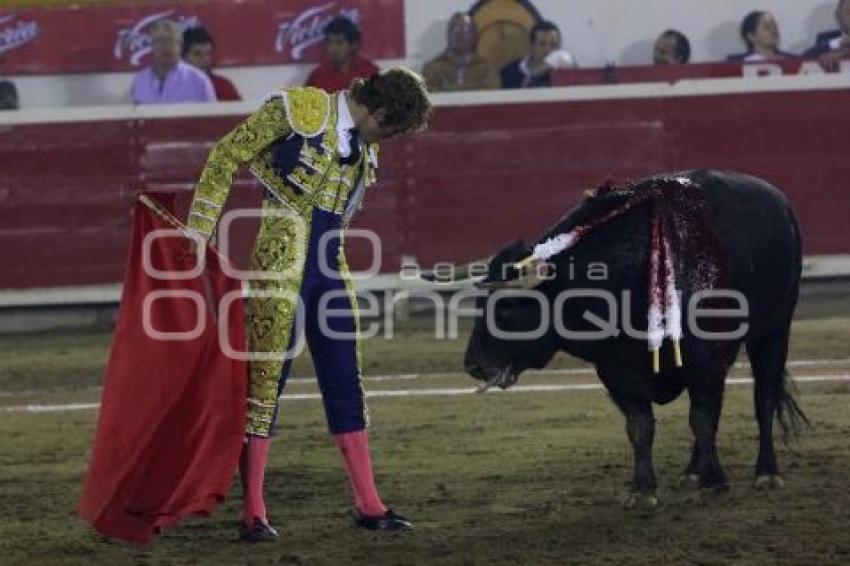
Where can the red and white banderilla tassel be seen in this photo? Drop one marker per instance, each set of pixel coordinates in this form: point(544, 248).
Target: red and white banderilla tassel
point(665, 314)
point(673, 312)
point(561, 242)
point(555, 245)
point(655, 316)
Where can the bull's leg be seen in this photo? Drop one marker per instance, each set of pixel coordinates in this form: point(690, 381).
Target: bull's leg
point(706, 404)
point(640, 427)
point(690, 477)
point(767, 356)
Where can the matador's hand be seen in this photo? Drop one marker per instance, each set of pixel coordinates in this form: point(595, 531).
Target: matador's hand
point(189, 254)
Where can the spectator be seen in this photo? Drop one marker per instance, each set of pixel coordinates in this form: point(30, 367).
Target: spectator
point(760, 32)
point(832, 46)
point(546, 54)
point(198, 51)
point(169, 80)
point(342, 42)
point(671, 48)
point(460, 67)
point(8, 96)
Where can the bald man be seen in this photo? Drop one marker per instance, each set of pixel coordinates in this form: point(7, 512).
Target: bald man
point(460, 67)
point(169, 80)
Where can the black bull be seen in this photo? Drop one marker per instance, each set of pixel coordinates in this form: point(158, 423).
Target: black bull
point(728, 231)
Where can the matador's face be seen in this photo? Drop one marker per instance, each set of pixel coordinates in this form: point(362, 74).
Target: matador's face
point(372, 129)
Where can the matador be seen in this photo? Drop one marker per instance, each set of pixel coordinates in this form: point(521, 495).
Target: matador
point(315, 155)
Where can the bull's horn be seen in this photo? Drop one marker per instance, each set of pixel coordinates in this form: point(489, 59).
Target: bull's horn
point(526, 282)
point(528, 279)
point(458, 273)
point(527, 262)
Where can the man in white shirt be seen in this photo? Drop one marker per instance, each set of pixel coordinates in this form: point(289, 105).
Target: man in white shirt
point(169, 79)
point(832, 46)
point(546, 54)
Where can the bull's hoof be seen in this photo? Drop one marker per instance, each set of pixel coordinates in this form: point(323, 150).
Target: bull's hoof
point(697, 498)
point(714, 488)
point(705, 495)
point(689, 481)
point(639, 501)
point(769, 482)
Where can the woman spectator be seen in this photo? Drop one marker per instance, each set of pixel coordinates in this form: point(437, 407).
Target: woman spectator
point(760, 32)
point(671, 48)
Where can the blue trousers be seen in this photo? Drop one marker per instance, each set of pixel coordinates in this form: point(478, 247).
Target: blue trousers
point(336, 359)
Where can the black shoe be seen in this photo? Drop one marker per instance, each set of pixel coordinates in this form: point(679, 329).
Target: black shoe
point(258, 532)
point(389, 521)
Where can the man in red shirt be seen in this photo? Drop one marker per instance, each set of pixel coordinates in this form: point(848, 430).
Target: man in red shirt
point(342, 42)
point(198, 51)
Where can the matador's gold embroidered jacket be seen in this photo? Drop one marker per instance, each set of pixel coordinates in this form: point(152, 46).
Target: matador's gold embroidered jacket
point(313, 176)
point(291, 145)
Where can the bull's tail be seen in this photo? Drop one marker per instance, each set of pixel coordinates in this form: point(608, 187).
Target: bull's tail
point(775, 391)
point(798, 241)
point(788, 412)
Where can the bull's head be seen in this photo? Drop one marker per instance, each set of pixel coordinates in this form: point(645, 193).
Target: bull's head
point(513, 331)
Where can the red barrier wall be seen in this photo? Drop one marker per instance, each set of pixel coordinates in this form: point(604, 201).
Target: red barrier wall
point(480, 177)
point(675, 73)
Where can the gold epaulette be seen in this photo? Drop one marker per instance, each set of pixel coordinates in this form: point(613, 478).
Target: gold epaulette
point(307, 110)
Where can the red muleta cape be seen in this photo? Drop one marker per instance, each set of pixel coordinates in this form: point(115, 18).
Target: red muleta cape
point(172, 415)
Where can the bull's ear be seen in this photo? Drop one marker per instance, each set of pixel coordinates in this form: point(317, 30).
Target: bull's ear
point(510, 253)
point(511, 247)
point(525, 249)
